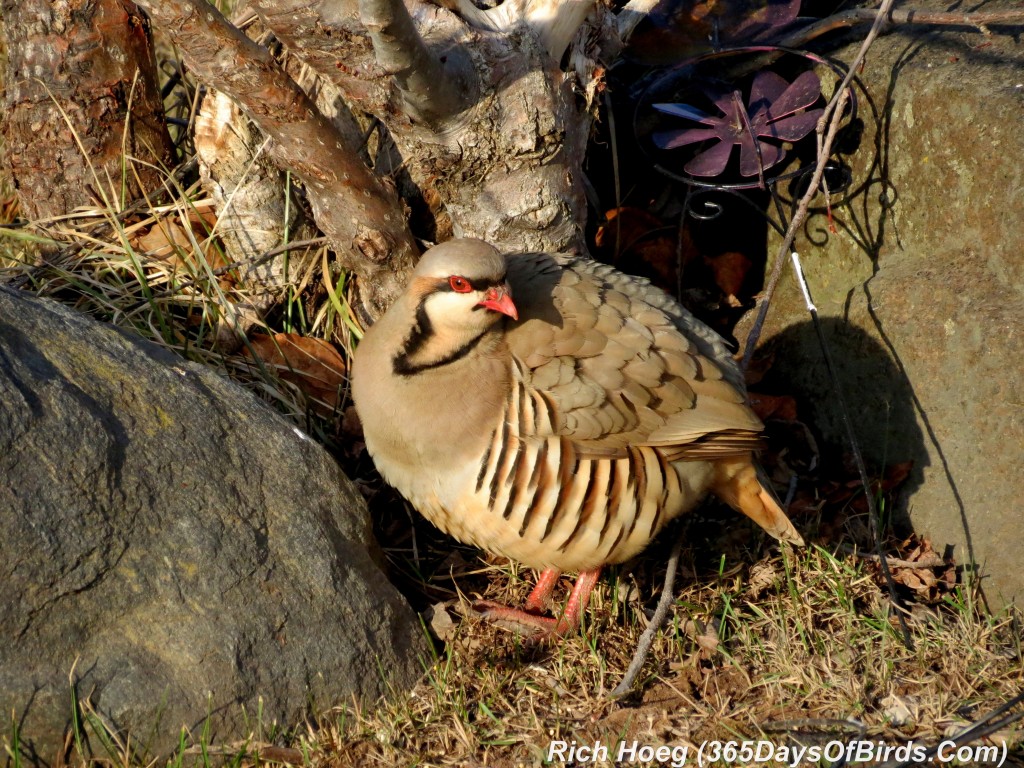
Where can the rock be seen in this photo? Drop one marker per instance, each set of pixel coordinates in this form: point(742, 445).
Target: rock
point(921, 291)
point(173, 547)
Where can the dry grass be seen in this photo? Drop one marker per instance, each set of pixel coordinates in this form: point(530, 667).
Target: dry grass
point(805, 644)
point(787, 646)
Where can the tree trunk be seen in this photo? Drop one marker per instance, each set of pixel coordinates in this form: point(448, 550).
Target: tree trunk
point(482, 117)
point(81, 95)
point(482, 132)
point(494, 136)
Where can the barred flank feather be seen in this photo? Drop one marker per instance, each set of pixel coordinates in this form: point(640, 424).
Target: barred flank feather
point(563, 506)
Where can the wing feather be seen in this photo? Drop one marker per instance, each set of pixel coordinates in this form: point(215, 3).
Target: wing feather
point(624, 365)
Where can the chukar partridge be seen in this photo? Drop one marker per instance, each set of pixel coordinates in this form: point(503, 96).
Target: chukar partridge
point(563, 429)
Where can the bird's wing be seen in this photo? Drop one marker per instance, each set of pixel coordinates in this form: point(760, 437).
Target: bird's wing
point(622, 364)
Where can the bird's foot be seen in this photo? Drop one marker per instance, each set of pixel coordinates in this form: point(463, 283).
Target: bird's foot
point(515, 618)
point(531, 617)
point(536, 627)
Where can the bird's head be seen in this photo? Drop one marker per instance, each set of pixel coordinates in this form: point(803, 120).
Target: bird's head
point(461, 288)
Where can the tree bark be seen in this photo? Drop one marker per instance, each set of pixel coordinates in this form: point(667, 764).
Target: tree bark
point(484, 133)
point(81, 96)
point(508, 166)
point(361, 216)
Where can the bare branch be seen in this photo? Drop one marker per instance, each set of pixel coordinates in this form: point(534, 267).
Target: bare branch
point(632, 14)
point(362, 217)
point(555, 23)
point(980, 20)
point(328, 37)
point(665, 602)
point(828, 127)
point(430, 91)
point(500, 18)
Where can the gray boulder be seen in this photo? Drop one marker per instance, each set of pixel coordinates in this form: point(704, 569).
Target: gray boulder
point(172, 548)
point(921, 292)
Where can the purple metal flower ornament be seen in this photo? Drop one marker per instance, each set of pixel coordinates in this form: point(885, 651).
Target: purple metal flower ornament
point(776, 112)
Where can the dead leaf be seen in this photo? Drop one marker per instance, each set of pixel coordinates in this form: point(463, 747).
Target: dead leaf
point(163, 240)
point(625, 227)
point(917, 580)
point(920, 551)
point(168, 240)
point(705, 635)
point(922, 570)
point(312, 365)
point(640, 243)
point(730, 272)
point(440, 622)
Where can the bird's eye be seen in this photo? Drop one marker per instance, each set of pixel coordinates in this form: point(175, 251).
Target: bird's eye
point(459, 284)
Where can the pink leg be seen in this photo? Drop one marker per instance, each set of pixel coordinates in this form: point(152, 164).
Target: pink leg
point(578, 600)
point(565, 624)
point(540, 598)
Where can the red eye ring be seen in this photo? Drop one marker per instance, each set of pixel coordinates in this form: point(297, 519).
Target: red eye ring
point(459, 284)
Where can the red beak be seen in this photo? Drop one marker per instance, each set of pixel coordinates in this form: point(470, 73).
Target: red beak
point(500, 300)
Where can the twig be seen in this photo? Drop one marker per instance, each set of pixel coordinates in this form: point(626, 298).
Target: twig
point(828, 126)
point(904, 17)
point(430, 91)
point(361, 216)
point(660, 615)
point(799, 217)
point(977, 730)
point(831, 117)
point(858, 458)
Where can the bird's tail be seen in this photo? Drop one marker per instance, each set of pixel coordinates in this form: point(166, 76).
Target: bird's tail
point(738, 485)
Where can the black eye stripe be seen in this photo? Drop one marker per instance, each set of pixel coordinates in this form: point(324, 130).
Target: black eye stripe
point(477, 285)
